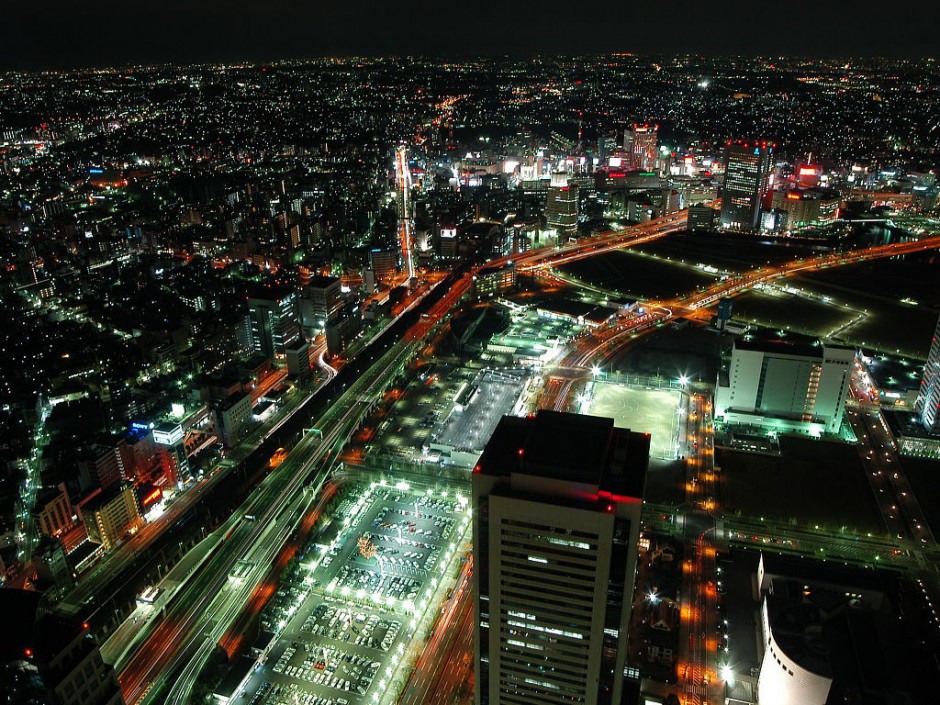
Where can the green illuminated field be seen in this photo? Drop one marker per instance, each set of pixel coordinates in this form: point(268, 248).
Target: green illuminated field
point(652, 411)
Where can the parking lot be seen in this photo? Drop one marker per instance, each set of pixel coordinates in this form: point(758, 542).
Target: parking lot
point(346, 624)
point(424, 404)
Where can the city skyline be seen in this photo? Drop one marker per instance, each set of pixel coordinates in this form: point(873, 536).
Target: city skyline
point(410, 381)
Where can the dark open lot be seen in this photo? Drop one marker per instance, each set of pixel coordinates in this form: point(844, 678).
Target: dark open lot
point(789, 312)
point(639, 276)
point(813, 482)
point(670, 352)
point(733, 252)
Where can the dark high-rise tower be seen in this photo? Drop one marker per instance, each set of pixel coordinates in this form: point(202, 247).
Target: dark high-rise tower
point(556, 511)
point(747, 167)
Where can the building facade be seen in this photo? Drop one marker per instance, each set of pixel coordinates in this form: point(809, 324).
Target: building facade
point(384, 263)
point(792, 385)
point(232, 418)
point(170, 442)
point(55, 660)
point(321, 302)
point(556, 507)
point(807, 207)
point(640, 142)
point(52, 512)
point(747, 167)
point(272, 322)
point(297, 356)
point(109, 515)
point(561, 208)
point(493, 281)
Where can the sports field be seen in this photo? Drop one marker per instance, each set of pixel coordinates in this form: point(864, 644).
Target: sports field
point(652, 411)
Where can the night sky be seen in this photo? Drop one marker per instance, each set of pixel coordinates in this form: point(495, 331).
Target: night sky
point(85, 33)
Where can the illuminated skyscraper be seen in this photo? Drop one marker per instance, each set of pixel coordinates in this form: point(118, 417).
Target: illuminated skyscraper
point(556, 511)
point(561, 209)
point(746, 171)
point(273, 321)
point(928, 398)
point(640, 142)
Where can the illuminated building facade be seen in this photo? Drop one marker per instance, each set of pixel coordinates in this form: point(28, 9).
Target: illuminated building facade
point(52, 512)
point(297, 355)
point(384, 263)
point(170, 443)
point(746, 174)
point(100, 465)
point(927, 405)
point(561, 208)
point(272, 322)
point(793, 385)
point(814, 618)
point(231, 418)
point(449, 242)
point(109, 515)
point(321, 302)
point(491, 281)
point(640, 142)
point(556, 511)
point(804, 207)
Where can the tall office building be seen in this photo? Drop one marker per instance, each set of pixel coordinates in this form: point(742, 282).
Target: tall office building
point(640, 142)
point(556, 511)
point(272, 321)
point(384, 263)
point(927, 405)
point(321, 302)
point(747, 167)
point(561, 208)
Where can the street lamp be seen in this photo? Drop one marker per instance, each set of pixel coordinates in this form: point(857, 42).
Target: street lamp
point(727, 675)
point(683, 380)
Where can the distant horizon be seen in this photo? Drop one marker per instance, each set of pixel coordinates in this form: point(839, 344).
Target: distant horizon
point(457, 58)
point(117, 33)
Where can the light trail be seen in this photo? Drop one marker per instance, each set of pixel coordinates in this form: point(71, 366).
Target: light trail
point(404, 195)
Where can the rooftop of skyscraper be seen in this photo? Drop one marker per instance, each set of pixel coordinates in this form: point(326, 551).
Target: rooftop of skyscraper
point(569, 447)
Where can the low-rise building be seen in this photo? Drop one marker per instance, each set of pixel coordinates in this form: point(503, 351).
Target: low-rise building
point(790, 383)
point(493, 281)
